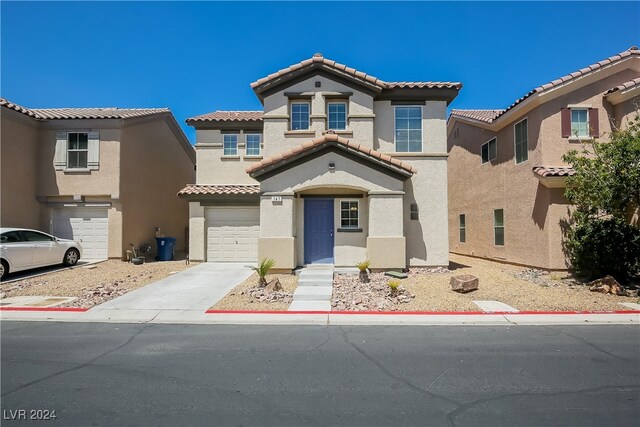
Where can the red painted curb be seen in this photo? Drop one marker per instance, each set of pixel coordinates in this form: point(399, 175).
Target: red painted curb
point(421, 313)
point(63, 309)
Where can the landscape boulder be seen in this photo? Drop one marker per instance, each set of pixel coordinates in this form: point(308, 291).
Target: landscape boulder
point(273, 286)
point(607, 285)
point(465, 283)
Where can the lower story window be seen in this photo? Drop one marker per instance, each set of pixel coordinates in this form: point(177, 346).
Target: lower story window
point(498, 227)
point(349, 214)
point(463, 228)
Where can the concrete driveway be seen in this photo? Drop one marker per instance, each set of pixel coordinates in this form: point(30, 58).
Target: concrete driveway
point(194, 289)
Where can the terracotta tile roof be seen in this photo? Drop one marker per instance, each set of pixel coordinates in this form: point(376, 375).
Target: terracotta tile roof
point(487, 116)
point(545, 171)
point(624, 86)
point(632, 51)
point(421, 85)
point(331, 138)
point(320, 61)
point(82, 113)
point(228, 116)
point(204, 190)
point(96, 113)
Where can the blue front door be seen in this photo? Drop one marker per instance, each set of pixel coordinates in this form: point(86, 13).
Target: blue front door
point(318, 231)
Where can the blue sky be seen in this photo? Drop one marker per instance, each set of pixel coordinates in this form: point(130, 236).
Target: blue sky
point(200, 57)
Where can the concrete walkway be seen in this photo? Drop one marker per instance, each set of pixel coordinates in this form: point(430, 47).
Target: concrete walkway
point(315, 287)
point(194, 289)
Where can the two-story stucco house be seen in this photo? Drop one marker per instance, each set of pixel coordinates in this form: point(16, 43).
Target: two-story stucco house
point(104, 176)
point(506, 175)
point(340, 167)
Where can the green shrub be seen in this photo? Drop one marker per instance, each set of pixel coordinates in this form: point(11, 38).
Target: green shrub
point(597, 247)
point(263, 269)
point(393, 285)
point(364, 270)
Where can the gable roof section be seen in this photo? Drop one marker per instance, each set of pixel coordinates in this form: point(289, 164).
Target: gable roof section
point(631, 84)
point(486, 116)
point(549, 171)
point(633, 51)
point(317, 61)
point(218, 190)
point(330, 140)
point(228, 116)
point(82, 113)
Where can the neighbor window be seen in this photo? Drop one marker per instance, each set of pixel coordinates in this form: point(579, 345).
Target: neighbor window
point(253, 144)
point(349, 214)
point(230, 145)
point(498, 227)
point(520, 141)
point(489, 150)
point(337, 115)
point(579, 122)
point(77, 150)
point(463, 228)
point(408, 129)
point(299, 115)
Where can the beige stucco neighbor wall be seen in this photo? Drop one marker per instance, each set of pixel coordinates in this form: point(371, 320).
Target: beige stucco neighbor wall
point(18, 154)
point(155, 165)
point(532, 212)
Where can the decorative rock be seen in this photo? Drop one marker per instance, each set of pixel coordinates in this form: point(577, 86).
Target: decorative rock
point(465, 283)
point(396, 274)
point(273, 286)
point(607, 285)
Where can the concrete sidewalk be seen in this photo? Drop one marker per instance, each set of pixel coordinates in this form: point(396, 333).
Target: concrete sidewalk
point(186, 294)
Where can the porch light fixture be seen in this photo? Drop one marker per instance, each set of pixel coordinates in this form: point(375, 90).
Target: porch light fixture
point(414, 211)
point(332, 166)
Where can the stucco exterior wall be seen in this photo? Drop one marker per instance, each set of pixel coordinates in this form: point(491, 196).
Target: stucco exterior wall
point(214, 167)
point(154, 167)
point(197, 232)
point(18, 153)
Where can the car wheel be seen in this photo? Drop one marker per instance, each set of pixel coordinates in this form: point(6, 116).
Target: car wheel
point(4, 269)
point(71, 257)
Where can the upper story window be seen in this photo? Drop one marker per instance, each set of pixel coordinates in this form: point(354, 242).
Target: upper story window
point(579, 122)
point(300, 115)
point(521, 144)
point(253, 144)
point(230, 145)
point(489, 150)
point(77, 150)
point(408, 128)
point(337, 112)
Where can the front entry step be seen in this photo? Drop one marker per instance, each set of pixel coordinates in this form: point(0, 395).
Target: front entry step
point(315, 288)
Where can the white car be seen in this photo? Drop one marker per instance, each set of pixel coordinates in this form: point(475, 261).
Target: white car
point(22, 249)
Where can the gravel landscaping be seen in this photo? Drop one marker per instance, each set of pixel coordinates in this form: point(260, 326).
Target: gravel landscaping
point(93, 284)
point(248, 296)
point(429, 290)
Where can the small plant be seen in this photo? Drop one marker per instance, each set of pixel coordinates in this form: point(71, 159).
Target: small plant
point(363, 266)
point(393, 284)
point(263, 269)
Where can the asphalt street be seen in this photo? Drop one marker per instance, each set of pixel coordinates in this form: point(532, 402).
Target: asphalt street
point(119, 374)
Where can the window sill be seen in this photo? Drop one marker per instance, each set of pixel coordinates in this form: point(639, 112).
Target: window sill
point(258, 157)
point(236, 157)
point(343, 132)
point(78, 170)
point(580, 139)
point(349, 230)
point(305, 132)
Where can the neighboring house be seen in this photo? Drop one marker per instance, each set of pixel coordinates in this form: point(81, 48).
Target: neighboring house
point(105, 176)
point(506, 175)
point(339, 167)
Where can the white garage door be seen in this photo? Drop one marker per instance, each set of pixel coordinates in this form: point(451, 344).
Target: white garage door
point(89, 226)
point(232, 234)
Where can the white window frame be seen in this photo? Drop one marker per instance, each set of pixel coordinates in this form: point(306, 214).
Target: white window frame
point(495, 227)
point(246, 144)
point(224, 148)
point(572, 135)
point(489, 150)
point(462, 228)
point(357, 202)
point(395, 113)
point(346, 114)
point(291, 104)
point(515, 150)
point(77, 150)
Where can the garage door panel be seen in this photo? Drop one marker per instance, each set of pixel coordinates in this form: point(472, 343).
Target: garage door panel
point(87, 225)
point(232, 234)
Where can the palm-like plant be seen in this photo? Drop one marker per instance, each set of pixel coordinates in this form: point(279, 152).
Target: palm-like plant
point(364, 270)
point(263, 269)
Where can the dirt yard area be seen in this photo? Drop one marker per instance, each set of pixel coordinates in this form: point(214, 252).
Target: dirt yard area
point(519, 287)
point(247, 295)
point(93, 284)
